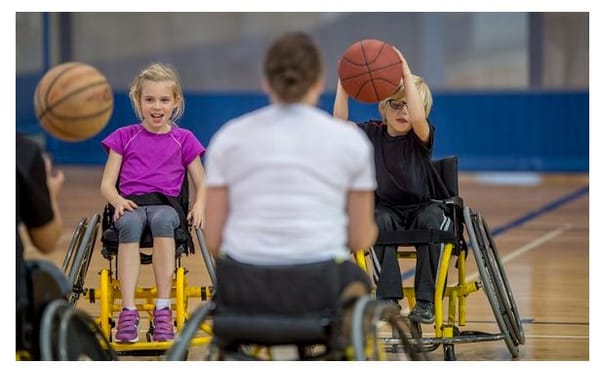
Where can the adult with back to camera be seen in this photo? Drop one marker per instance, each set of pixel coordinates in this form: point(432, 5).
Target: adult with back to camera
point(406, 182)
point(288, 184)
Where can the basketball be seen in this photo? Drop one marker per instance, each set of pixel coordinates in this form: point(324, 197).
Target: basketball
point(370, 70)
point(73, 101)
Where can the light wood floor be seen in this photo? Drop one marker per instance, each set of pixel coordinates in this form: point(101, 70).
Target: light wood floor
point(546, 257)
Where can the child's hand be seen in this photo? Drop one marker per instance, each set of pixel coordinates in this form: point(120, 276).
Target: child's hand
point(405, 68)
point(196, 216)
point(54, 178)
point(123, 205)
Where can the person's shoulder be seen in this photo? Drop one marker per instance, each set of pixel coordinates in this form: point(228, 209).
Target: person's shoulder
point(129, 129)
point(181, 132)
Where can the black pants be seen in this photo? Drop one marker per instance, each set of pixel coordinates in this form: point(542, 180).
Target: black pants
point(388, 277)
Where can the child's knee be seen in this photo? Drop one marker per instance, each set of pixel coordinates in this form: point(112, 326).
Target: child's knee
point(163, 221)
point(130, 227)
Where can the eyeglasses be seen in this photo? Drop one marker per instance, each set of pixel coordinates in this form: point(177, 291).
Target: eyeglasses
point(397, 105)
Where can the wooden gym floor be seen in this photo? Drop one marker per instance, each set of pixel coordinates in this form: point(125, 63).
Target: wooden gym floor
point(541, 230)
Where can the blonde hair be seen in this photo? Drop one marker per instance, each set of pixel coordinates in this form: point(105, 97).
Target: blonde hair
point(156, 72)
point(400, 93)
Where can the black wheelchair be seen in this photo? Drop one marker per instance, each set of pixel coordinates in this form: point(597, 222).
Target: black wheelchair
point(293, 313)
point(50, 325)
point(77, 262)
point(492, 277)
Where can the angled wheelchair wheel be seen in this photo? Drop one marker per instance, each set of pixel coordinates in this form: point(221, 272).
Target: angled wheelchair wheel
point(74, 245)
point(82, 259)
point(80, 338)
point(179, 349)
point(371, 320)
point(49, 328)
point(500, 280)
point(487, 273)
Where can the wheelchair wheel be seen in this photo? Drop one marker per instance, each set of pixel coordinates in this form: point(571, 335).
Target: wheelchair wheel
point(49, 328)
point(74, 246)
point(369, 317)
point(179, 349)
point(82, 259)
point(91, 344)
point(486, 273)
point(500, 280)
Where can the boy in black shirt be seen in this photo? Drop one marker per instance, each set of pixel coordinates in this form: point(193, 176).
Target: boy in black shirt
point(406, 182)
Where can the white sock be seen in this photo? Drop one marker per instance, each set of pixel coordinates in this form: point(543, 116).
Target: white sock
point(163, 303)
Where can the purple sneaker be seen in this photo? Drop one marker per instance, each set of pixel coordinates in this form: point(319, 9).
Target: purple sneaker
point(127, 328)
point(163, 325)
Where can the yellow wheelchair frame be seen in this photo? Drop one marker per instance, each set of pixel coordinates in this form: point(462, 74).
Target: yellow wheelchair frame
point(492, 279)
point(108, 295)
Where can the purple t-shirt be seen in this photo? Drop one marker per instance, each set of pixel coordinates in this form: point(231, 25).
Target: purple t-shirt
point(153, 162)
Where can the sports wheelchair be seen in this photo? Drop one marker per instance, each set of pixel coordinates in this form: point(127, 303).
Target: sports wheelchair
point(77, 262)
point(492, 277)
point(50, 325)
point(293, 313)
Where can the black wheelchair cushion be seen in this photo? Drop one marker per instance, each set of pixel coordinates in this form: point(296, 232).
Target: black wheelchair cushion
point(233, 328)
point(110, 238)
point(274, 304)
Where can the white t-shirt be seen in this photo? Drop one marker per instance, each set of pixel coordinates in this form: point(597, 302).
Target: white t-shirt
point(288, 169)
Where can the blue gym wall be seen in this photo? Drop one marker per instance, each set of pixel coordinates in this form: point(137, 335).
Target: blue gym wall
point(510, 89)
point(496, 130)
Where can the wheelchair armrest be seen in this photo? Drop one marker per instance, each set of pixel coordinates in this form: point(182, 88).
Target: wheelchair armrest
point(453, 201)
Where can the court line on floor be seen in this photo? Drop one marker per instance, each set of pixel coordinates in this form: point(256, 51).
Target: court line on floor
point(527, 247)
point(559, 337)
point(527, 217)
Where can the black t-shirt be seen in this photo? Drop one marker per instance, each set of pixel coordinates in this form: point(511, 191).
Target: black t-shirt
point(33, 201)
point(403, 167)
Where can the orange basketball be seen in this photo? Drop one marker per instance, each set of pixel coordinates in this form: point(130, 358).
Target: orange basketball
point(370, 70)
point(73, 101)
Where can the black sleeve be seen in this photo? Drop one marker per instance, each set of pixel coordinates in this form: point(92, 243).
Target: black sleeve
point(33, 198)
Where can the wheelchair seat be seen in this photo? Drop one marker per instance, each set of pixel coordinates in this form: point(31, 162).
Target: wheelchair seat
point(447, 170)
point(275, 305)
point(182, 236)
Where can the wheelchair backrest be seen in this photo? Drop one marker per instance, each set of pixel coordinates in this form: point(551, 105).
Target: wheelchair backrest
point(447, 169)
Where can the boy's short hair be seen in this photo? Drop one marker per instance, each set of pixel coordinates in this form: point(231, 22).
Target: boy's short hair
point(423, 89)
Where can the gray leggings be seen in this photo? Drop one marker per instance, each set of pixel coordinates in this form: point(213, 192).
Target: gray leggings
point(162, 219)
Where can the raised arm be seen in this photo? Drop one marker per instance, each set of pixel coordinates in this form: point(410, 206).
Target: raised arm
point(414, 101)
point(340, 106)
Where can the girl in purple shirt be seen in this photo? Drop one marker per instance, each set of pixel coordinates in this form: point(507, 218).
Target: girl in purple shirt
point(151, 157)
